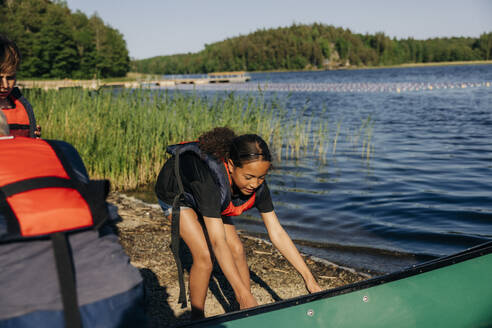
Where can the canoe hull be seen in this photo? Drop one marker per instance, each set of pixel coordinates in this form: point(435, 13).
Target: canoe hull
point(455, 291)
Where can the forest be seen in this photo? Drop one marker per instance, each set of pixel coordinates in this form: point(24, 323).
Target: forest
point(315, 46)
point(56, 43)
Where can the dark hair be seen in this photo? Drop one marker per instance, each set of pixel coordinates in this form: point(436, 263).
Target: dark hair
point(9, 55)
point(249, 148)
point(223, 144)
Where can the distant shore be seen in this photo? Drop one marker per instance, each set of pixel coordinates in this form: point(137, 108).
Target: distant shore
point(453, 63)
point(134, 76)
point(145, 236)
point(408, 65)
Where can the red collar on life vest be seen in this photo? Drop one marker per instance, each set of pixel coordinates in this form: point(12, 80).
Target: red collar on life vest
point(231, 209)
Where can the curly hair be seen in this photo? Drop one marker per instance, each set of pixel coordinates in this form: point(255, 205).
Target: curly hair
point(223, 144)
point(217, 142)
point(9, 55)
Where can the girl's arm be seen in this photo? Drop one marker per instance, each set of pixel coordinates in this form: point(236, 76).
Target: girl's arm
point(217, 237)
point(284, 244)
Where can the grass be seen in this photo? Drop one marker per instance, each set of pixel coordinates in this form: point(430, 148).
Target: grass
point(122, 134)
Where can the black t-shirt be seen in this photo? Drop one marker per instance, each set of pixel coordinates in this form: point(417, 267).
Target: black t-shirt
point(199, 182)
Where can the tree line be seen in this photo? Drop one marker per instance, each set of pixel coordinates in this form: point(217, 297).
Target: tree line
point(315, 46)
point(56, 43)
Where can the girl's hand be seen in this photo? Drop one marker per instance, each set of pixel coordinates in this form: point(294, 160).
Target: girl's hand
point(37, 132)
point(312, 286)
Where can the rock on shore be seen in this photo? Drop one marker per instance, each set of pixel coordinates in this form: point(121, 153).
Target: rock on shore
point(145, 235)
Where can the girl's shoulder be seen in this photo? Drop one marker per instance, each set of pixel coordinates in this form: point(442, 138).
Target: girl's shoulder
point(195, 168)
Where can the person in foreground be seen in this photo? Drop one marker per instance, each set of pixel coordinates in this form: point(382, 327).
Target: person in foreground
point(14, 105)
point(62, 265)
point(207, 182)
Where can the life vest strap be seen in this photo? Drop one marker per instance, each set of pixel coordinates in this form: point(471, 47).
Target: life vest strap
point(13, 226)
point(96, 193)
point(175, 234)
point(66, 279)
point(19, 126)
point(36, 183)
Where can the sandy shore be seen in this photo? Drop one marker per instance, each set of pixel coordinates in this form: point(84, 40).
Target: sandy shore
point(145, 235)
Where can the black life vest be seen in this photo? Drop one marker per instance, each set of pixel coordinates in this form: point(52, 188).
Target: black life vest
point(220, 173)
point(21, 117)
point(40, 197)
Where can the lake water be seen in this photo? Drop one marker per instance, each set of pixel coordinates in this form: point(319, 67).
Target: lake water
point(426, 188)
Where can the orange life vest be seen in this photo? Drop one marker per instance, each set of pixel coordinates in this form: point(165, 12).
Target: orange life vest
point(20, 123)
point(39, 194)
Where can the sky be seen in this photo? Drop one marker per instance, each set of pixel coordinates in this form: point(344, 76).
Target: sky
point(162, 27)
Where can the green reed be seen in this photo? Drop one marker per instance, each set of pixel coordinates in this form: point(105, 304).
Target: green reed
point(335, 140)
point(363, 137)
point(122, 134)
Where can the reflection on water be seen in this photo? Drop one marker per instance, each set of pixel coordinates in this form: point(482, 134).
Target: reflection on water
point(393, 87)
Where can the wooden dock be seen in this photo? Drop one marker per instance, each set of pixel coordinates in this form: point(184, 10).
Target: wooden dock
point(63, 84)
point(220, 77)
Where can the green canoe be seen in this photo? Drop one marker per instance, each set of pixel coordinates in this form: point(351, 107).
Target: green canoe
point(453, 291)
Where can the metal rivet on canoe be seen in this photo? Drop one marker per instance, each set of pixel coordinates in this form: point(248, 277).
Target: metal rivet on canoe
point(365, 298)
point(310, 312)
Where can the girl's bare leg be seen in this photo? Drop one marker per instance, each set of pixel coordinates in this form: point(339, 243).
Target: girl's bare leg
point(194, 236)
point(238, 253)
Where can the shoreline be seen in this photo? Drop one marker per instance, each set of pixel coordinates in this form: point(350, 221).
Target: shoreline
point(134, 76)
point(431, 64)
point(407, 65)
point(369, 260)
point(145, 235)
